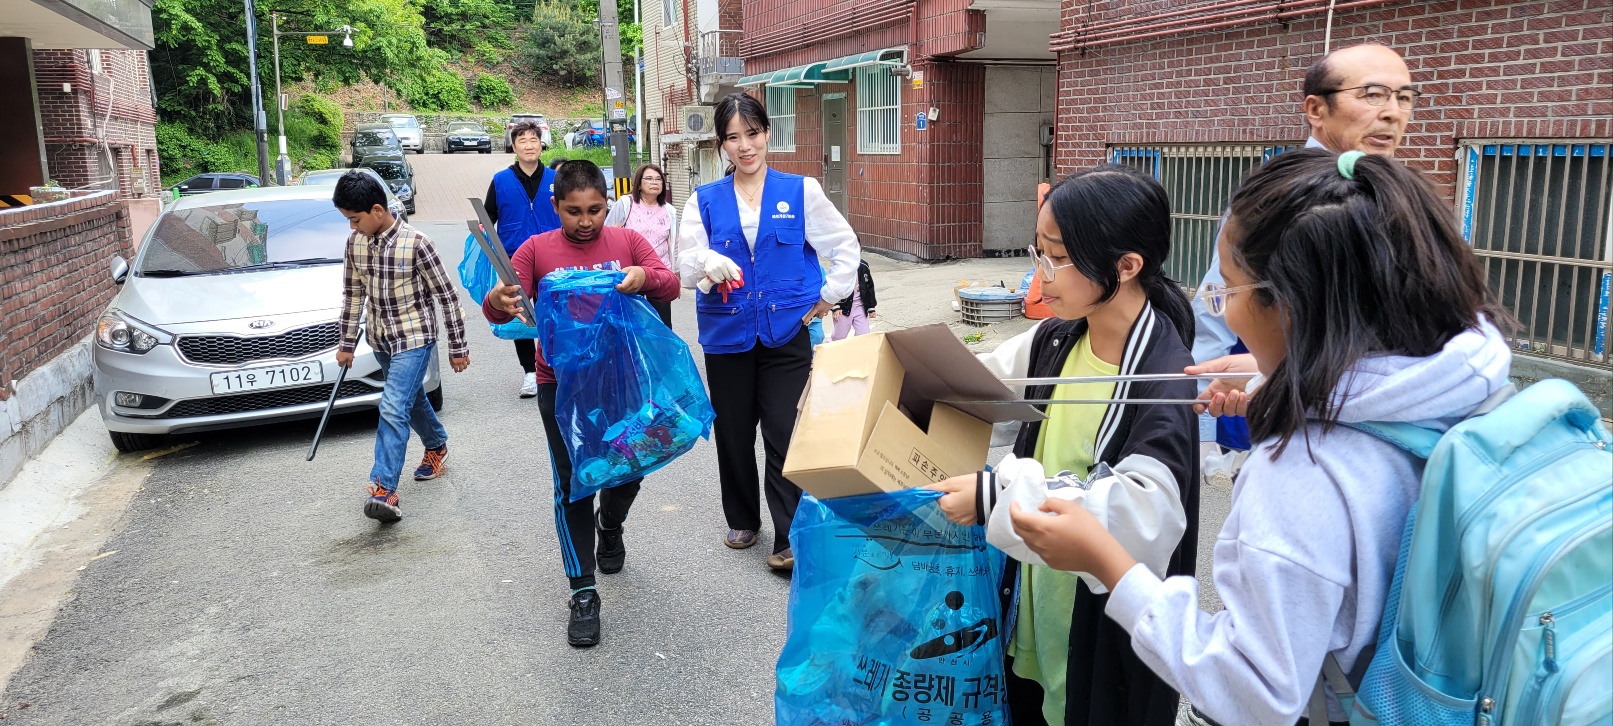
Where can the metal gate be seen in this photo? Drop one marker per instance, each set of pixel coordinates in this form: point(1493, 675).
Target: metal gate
point(1537, 216)
point(1199, 180)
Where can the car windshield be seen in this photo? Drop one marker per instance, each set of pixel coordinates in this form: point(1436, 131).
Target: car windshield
point(317, 178)
point(403, 123)
point(389, 170)
point(465, 128)
point(222, 238)
point(375, 138)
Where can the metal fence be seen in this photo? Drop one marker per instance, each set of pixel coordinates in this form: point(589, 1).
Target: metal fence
point(1537, 215)
point(1199, 179)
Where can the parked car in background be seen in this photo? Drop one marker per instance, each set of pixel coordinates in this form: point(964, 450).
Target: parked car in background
point(410, 136)
point(374, 139)
point(228, 317)
point(467, 136)
point(328, 177)
point(594, 132)
point(537, 118)
point(204, 183)
point(397, 173)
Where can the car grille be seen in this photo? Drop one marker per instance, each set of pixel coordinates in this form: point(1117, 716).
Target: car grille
point(264, 400)
point(231, 350)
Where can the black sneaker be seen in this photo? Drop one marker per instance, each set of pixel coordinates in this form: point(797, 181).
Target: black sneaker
point(583, 630)
point(610, 552)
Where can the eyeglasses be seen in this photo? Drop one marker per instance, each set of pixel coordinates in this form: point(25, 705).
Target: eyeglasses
point(1043, 263)
point(1215, 295)
point(1376, 94)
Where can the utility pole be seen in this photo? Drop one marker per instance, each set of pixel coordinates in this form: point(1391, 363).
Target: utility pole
point(282, 164)
point(615, 101)
point(638, 81)
point(260, 120)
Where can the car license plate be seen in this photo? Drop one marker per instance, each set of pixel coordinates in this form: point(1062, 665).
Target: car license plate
point(257, 379)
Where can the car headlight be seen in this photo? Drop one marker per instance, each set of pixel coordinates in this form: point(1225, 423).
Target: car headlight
point(404, 192)
point(116, 331)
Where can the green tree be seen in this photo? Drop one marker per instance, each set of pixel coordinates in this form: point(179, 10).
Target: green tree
point(562, 46)
point(436, 89)
point(632, 33)
point(493, 92)
point(479, 29)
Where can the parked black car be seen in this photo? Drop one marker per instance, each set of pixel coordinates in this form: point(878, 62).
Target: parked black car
point(204, 183)
point(398, 174)
point(371, 139)
point(467, 136)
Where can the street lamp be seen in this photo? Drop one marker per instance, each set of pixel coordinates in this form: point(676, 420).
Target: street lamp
point(283, 164)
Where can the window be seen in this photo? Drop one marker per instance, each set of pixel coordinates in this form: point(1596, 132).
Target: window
point(1537, 217)
point(781, 111)
point(879, 111)
point(231, 182)
point(1199, 181)
point(669, 12)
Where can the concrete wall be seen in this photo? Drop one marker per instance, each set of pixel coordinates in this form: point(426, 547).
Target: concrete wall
point(1019, 102)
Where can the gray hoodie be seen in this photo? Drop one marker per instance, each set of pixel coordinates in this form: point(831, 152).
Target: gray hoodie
point(1305, 559)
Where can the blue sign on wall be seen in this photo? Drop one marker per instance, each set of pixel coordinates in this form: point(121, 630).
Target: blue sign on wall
point(921, 122)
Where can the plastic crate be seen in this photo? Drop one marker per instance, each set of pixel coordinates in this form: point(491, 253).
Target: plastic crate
point(988, 305)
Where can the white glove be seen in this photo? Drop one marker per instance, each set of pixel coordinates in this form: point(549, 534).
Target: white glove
point(717, 268)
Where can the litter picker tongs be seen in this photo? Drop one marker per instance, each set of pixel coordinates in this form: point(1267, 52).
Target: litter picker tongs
point(1109, 379)
point(486, 235)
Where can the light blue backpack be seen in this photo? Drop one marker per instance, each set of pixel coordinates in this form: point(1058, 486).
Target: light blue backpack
point(1501, 610)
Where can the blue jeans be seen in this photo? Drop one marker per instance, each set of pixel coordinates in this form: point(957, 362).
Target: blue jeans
point(404, 406)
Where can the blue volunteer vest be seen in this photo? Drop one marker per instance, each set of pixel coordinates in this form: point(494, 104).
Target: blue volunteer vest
point(783, 279)
point(518, 217)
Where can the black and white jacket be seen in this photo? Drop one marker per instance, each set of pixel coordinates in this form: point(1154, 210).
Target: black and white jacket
point(1151, 504)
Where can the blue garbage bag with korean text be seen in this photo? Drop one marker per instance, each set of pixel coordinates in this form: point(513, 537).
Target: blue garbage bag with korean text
point(893, 618)
point(628, 398)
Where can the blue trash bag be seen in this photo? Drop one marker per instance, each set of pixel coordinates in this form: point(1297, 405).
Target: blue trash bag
point(894, 617)
point(476, 275)
point(628, 398)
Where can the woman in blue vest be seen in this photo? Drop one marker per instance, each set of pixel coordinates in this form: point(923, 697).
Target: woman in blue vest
point(750, 244)
point(519, 201)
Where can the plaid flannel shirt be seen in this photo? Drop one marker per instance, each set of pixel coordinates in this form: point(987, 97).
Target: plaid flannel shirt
point(400, 275)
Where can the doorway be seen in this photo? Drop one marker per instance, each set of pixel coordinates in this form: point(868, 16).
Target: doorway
point(834, 149)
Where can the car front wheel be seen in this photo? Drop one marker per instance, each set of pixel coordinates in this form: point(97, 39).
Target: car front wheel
point(435, 399)
point(127, 442)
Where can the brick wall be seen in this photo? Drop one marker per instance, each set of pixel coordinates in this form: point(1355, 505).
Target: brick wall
point(1489, 69)
point(53, 280)
point(116, 101)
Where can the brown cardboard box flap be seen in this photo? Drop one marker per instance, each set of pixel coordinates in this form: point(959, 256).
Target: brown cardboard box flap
point(939, 368)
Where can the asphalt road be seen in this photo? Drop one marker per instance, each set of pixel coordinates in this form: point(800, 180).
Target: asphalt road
point(249, 589)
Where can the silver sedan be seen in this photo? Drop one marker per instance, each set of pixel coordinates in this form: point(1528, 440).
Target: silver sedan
point(227, 317)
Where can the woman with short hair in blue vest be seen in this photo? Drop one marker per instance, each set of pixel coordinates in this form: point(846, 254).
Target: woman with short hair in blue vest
point(520, 203)
point(750, 244)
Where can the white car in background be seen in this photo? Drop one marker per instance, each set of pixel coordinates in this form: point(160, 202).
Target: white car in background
point(410, 136)
point(228, 317)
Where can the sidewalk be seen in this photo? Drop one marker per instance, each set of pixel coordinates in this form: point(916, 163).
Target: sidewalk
point(912, 294)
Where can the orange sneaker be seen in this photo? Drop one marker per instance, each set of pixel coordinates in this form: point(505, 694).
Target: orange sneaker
point(433, 464)
point(382, 506)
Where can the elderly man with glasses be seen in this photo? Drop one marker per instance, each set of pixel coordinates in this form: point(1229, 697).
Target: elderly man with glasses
point(1358, 98)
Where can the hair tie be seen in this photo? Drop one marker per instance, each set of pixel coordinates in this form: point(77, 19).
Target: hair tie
point(1347, 163)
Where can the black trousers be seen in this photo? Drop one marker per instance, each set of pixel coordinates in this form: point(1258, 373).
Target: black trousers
point(760, 386)
point(526, 350)
point(574, 521)
point(665, 309)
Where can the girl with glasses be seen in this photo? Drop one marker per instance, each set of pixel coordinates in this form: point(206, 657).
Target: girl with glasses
point(1350, 284)
point(1102, 239)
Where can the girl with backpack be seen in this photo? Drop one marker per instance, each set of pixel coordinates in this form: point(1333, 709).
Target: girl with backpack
point(1347, 279)
point(1102, 239)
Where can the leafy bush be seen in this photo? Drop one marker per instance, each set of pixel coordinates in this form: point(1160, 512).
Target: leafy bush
point(493, 92)
point(437, 89)
point(561, 47)
point(185, 155)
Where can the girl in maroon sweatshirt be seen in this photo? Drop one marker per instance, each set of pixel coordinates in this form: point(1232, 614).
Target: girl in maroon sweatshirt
point(583, 242)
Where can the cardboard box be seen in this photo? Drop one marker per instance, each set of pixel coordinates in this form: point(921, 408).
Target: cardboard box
point(869, 419)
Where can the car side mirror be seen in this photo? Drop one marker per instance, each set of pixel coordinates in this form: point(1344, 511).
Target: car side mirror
point(120, 270)
point(184, 187)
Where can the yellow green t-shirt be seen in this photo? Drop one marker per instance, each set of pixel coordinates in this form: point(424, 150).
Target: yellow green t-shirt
point(1041, 641)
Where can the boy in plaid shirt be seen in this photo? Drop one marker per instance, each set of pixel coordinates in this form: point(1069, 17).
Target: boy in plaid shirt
point(395, 268)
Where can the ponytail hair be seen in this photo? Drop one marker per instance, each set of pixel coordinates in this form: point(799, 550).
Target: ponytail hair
point(747, 108)
point(1107, 212)
point(1364, 265)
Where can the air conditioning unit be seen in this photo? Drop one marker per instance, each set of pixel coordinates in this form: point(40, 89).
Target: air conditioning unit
point(699, 120)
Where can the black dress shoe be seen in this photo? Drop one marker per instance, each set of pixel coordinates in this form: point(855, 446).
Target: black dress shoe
point(583, 630)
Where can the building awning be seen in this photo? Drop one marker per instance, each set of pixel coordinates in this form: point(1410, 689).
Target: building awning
point(833, 71)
